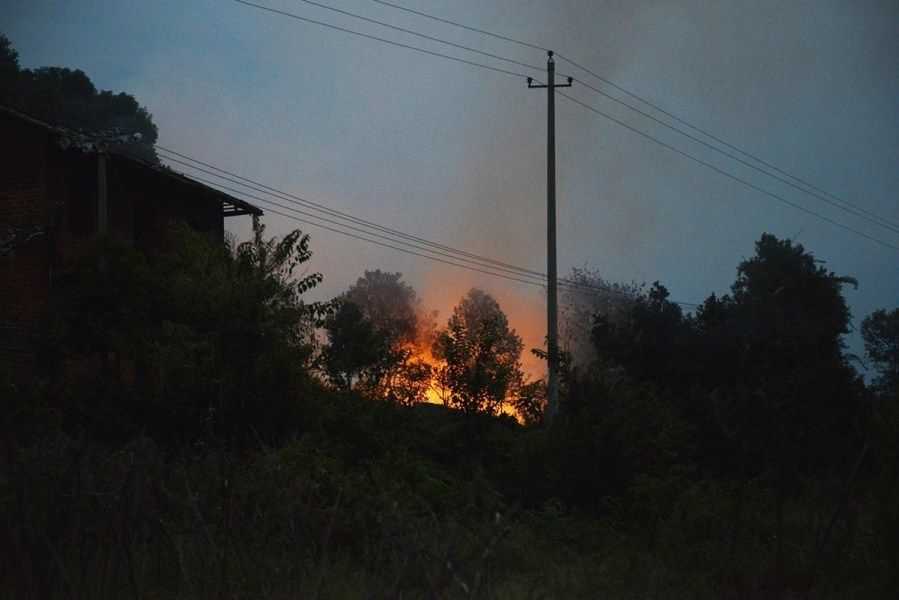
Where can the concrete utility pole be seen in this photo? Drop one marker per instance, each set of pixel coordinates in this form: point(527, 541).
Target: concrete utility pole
point(100, 143)
point(101, 192)
point(552, 306)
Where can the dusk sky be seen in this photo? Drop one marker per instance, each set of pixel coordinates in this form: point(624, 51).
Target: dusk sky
point(456, 154)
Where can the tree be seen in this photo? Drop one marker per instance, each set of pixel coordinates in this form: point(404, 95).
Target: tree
point(204, 336)
point(588, 297)
point(388, 302)
point(356, 351)
point(9, 68)
point(790, 307)
point(376, 340)
point(68, 97)
point(482, 356)
point(782, 331)
point(880, 331)
point(650, 339)
point(530, 401)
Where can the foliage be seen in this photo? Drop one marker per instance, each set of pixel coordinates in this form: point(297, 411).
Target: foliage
point(180, 447)
point(68, 97)
point(587, 296)
point(392, 305)
point(482, 355)
point(530, 401)
point(356, 352)
point(201, 336)
point(649, 340)
point(880, 330)
point(375, 340)
point(9, 65)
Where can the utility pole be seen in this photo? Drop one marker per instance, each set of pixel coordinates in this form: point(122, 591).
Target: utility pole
point(101, 192)
point(552, 305)
point(100, 143)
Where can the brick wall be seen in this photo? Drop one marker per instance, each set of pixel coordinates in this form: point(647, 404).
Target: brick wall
point(24, 195)
point(42, 184)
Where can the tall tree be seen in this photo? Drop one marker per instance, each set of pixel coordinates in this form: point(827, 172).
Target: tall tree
point(215, 336)
point(650, 339)
point(68, 97)
point(376, 340)
point(590, 296)
point(880, 331)
point(357, 353)
point(9, 68)
point(482, 355)
point(786, 396)
point(388, 302)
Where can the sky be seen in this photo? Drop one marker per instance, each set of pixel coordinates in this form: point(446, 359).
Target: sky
point(456, 154)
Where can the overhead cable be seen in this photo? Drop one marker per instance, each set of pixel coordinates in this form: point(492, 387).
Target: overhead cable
point(836, 201)
point(380, 39)
point(530, 276)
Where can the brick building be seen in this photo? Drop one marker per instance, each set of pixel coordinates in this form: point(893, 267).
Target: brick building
point(49, 211)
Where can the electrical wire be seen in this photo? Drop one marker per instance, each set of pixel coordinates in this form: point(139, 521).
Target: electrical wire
point(562, 285)
point(727, 174)
point(475, 29)
point(351, 227)
point(380, 39)
point(715, 138)
point(333, 212)
point(886, 224)
point(518, 272)
point(422, 35)
point(866, 214)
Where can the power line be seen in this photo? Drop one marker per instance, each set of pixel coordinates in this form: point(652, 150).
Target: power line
point(517, 271)
point(262, 188)
point(568, 287)
point(422, 35)
point(876, 220)
point(475, 29)
point(873, 217)
point(351, 227)
point(715, 138)
point(380, 39)
point(709, 165)
point(333, 212)
point(478, 260)
point(519, 279)
point(727, 174)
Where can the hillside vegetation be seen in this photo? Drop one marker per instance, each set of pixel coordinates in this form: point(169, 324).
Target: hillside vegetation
point(185, 433)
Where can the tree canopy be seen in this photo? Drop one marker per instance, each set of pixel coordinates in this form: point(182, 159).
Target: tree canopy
point(880, 331)
point(202, 336)
point(482, 355)
point(376, 338)
point(68, 97)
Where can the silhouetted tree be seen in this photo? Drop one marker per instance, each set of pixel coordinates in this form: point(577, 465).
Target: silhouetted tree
point(9, 68)
point(651, 340)
point(357, 353)
point(880, 331)
point(482, 355)
point(376, 340)
point(530, 401)
point(389, 303)
point(202, 337)
point(68, 97)
point(590, 296)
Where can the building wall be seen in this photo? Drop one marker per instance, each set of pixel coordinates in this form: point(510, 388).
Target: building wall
point(43, 185)
point(24, 196)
